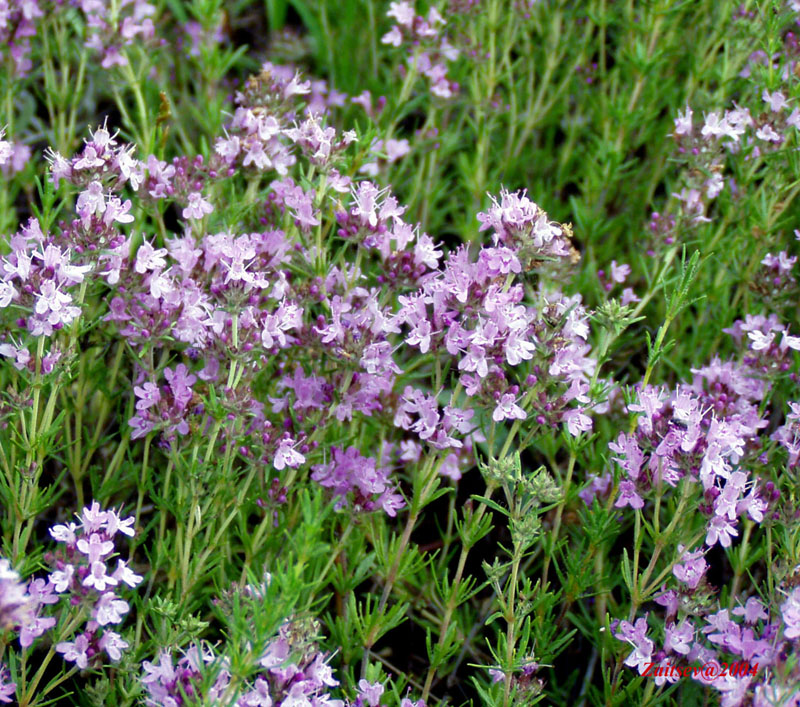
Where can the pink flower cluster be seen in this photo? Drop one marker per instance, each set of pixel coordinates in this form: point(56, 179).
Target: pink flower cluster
point(349, 474)
point(228, 302)
point(18, 20)
point(730, 132)
point(21, 605)
point(82, 580)
point(39, 276)
point(289, 670)
point(112, 29)
point(430, 49)
point(701, 432)
point(84, 573)
point(749, 632)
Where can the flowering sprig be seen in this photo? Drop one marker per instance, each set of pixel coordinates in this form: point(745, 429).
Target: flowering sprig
point(748, 633)
point(289, 668)
point(7, 687)
point(248, 330)
point(21, 604)
point(699, 432)
point(39, 277)
point(82, 590)
point(430, 50)
point(83, 573)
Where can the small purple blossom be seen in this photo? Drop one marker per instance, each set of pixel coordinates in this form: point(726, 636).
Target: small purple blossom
point(7, 687)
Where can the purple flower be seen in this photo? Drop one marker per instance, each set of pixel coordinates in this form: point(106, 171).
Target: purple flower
point(162, 671)
point(500, 261)
point(692, 568)
point(391, 503)
point(650, 402)
point(518, 349)
point(598, 486)
point(287, 455)
point(349, 474)
point(149, 258)
point(180, 383)
point(507, 409)
point(95, 548)
point(7, 688)
point(259, 696)
point(110, 609)
point(198, 207)
point(628, 496)
point(720, 530)
point(683, 123)
point(275, 653)
point(75, 651)
point(97, 577)
point(33, 629)
point(669, 600)
point(679, 638)
point(577, 421)
point(619, 273)
point(62, 579)
point(148, 394)
point(629, 296)
point(112, 644)
point(790, 611)
point(633, 458)
point(426, 253)
point(320, 673)
point(16, 605)
point(41, 593)
point(370, 692)
point(643, 647)
point(753, 610)
point(776, 100)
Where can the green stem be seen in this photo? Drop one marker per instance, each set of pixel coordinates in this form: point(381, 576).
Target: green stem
point(553, 542)
point(452, 599)
point(143, 477)
point(428, 480)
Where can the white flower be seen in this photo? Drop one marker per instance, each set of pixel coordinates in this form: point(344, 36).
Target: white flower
point(110, 609)
point(287, 455)
point(62, 578)
point(98, 578)
point(760, 341)
point(198, 207)
point(403, 12)
point(683, 123)
point(776, 101)
point(393, 37)
point(793, 342)
point(125, 574)
point(6, 148)
point(507, 409)
point(713, 126)
point(7, 293)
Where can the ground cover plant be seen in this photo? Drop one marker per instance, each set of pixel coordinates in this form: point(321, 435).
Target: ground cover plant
point(391, 353)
